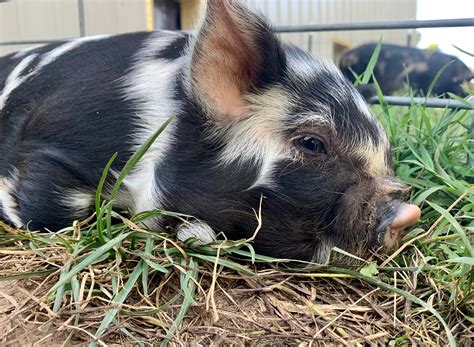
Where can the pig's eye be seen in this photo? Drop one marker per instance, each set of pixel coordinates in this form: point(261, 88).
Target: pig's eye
point(311, 145)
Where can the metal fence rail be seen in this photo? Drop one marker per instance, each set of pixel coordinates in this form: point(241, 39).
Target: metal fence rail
point(407, 24)
point(427, 102)
point(404, 24)
point(34, 42)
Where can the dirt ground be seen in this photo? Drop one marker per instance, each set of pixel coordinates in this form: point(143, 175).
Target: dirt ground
point(276, 310)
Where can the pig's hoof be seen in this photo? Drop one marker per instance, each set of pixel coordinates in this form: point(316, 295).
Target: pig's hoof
point(198, 230)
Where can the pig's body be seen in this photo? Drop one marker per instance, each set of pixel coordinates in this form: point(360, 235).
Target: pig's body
point(397, 65)
point(252, 118)
point(70, 115)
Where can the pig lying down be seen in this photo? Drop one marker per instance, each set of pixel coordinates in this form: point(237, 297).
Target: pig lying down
point(253, 117)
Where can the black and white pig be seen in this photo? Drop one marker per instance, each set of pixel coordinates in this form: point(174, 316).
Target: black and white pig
point(397, 65)
point(253, 117)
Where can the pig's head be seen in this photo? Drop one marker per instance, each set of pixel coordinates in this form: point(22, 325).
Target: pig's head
point(267, 119)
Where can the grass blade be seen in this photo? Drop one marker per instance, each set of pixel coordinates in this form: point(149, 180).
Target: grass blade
point(148, 249)
point(98, 194)
point(227, 263)
point(369, 71)
point(188, 300)
point(26, 275)
point(436, 78)
point(136, 157)
point(455, 224)
point(90, 259)
point(118, 300)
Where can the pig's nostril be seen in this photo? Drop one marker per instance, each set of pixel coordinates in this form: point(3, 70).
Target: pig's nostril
point(406, 215)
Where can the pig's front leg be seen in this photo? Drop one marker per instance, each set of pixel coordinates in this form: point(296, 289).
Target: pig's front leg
point(198, 229)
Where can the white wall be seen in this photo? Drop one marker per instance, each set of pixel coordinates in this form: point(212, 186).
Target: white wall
point(56, 19)
point(298, 12)
point(59, 19)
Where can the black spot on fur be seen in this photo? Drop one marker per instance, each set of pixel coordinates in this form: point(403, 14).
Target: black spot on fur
point(7, 64)
point(174, 50)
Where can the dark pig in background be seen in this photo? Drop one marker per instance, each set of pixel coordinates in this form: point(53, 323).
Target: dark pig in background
point(256, 122)
point(397, 64)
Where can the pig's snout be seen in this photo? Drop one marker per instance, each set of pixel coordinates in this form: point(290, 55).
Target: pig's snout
point(394, 216)
point(405, 216)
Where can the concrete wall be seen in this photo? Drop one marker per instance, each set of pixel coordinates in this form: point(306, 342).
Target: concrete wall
point(59, 19)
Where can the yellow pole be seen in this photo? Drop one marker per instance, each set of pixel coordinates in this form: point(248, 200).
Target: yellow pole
point(190, 13)
point(150, 18)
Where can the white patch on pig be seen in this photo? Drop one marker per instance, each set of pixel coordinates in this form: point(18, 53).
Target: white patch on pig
point(375, 155)
point(257, 139)
point(79, 202)
point(317, 119)
point(265, 175)
point(14, 79)
point(198, 229)
point(25, 51)
point(330, 66)
point(323, 252)
point(260, 132)
point(7, 200)
point(150, 86)
point(55, 53)
point(304, 66)
point(363, 106)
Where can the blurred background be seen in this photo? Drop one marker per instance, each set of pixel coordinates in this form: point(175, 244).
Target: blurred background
point(32, 20)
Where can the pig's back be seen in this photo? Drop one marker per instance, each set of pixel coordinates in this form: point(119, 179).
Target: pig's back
point(73, 101)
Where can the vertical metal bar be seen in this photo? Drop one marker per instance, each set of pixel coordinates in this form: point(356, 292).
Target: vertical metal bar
point(82, 24)
point(410, 37)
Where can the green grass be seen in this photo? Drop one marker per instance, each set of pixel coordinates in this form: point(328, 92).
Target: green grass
point(132, 279)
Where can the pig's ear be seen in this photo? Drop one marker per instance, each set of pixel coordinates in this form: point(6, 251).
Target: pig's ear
point(236, 53)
